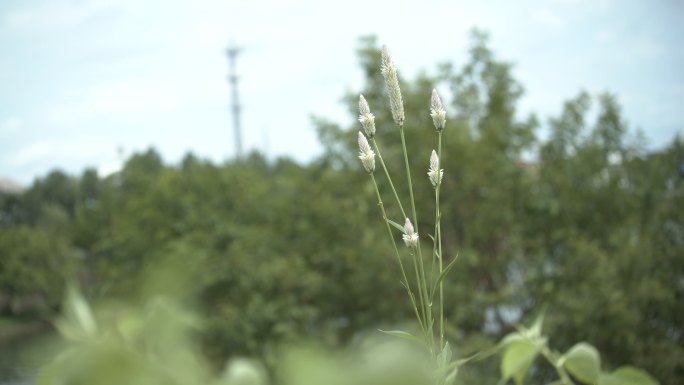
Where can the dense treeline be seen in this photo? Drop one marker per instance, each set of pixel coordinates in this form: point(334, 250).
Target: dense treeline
point(584, 222)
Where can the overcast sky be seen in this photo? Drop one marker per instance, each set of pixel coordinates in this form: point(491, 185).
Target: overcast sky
point(80, 80)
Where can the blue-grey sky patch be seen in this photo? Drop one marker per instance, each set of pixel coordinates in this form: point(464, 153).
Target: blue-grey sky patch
point(80, 80)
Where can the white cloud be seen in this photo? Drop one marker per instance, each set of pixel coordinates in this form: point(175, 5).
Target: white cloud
point(10, 125)
point(605, 36)
point(123, 97)
point(48, 151)
point(29, 154)
point(549, 18)
point(48, 16)
point(647, 48)
point(604, 4)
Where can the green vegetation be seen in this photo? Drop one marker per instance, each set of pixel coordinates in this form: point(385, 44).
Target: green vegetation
point(590, 228)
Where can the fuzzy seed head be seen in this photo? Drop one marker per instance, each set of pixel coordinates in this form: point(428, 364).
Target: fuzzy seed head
point(366, 155)
point(410, 237)
point(366, 118)
point(437, 111)
point(435, 173)
point(389, 72)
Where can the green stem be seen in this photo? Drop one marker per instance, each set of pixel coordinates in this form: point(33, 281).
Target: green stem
point(564, 377)
point(438, 235)
point(424, 309)
point(389, 179)
point(396, 252)
point(419, 264)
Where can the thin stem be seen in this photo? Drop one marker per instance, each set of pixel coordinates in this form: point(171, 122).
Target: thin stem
point(396, 252)
point(564, 377)
point(389, 179)
point(424, 309)
point(438, 235)
point(436, 250)
point(419, 264)
point(408, 178)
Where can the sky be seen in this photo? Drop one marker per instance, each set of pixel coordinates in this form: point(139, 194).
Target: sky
point(86, 83)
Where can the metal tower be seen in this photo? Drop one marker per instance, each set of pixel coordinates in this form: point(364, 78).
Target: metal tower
point(233, 52)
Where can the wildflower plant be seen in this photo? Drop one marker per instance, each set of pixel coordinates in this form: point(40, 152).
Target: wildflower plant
point(426, 292)
point(579, 365)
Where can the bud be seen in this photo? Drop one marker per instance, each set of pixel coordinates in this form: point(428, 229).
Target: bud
point(437, 111)
point(410, 237)
point(389, 72)
point(366, 155)
point(435, 173)
point(366, 118)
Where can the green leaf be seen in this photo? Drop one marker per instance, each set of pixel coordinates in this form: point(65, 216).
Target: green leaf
point(451, 377)
point(78, 322)
point(396, 225)
point(80, 311)
point(475, 357)
point(583, 362)
point(510, 338)
point(627, 375)
point(445, 356)
point(518, 358)
point(443, 275)
point(535, 329)
point(402, 334)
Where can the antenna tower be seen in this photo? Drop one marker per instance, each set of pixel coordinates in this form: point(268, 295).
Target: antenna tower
point(233, 52)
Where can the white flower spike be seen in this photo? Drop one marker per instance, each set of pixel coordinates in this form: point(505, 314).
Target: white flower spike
point(366, 118)
point(366, 155)
point(435, 173)
point(389, 72)
point(437, 111)
point(410, 237)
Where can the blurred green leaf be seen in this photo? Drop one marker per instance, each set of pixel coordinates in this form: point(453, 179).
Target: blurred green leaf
point(536, 328)
point(627, 375)
point(517, 359)
point(444, 357)
point(443, 275)
point(511, 338)
point(583, 362)
point(396, 225)
point(404, 335)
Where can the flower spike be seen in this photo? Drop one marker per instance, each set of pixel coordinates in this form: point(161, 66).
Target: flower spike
point(366, 118)
point(410, 237)
point(389, 72)
point(435, 173)
point(366, 155)
point(437, 111)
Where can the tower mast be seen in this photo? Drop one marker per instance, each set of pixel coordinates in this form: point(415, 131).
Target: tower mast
point(233, 52)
